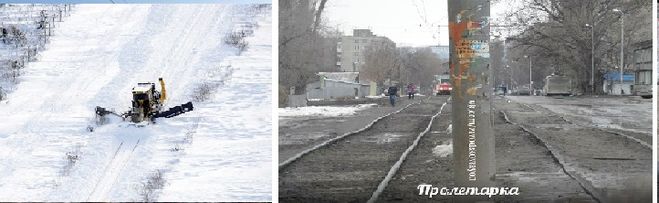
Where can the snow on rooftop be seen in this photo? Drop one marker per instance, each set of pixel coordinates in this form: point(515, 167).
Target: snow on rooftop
point(340, 76)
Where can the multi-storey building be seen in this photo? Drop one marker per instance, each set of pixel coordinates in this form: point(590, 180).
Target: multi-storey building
point(350, 50)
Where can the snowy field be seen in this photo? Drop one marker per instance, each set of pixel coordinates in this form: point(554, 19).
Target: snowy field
point(221, 151)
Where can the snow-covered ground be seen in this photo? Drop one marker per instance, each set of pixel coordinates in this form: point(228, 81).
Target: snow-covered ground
point(221, 151)
point(322, 111)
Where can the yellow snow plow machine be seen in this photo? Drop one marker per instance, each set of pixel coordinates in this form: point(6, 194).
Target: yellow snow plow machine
point(146, 105)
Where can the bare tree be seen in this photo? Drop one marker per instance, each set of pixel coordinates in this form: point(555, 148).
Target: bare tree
point(404, 65)
point(381, 62)
point(555, 33)
point(306, 45)
point(420, 66)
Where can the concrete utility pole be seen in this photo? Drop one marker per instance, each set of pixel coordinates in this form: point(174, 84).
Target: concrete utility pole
point(473, 138)
point(592, 57)
point(622, 45)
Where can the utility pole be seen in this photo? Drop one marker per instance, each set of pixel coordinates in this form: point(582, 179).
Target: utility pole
point(473, 137)
point(592, 57)
point(622, 45)
point(531, 75)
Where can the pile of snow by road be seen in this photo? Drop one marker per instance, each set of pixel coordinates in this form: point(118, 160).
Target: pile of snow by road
point(221, 151)
point(322, 111)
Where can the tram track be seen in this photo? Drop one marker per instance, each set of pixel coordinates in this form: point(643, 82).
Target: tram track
point(335, 139)
point(587, 187)
point(629, 137)
point(358, 166)
point(606, 164)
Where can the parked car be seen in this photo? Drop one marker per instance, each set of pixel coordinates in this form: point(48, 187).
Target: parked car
point(501, 90)
point(523, 91)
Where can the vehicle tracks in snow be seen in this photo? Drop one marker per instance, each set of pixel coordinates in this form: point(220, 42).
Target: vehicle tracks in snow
point(113, 170)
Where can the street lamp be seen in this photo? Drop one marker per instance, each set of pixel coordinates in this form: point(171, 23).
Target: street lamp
point(592, 57)
point(622, 43)
point(530, 73)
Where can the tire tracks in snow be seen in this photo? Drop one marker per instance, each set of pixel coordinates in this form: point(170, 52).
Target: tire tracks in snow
point(112, 171)
point(123, 154)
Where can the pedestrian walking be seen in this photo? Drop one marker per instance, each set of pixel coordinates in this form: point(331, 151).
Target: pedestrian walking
point(393, 90)
point(411, 89)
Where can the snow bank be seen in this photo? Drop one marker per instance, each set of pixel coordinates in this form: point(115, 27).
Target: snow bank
point(443, 150)
point(376, 97)
point(323, 111)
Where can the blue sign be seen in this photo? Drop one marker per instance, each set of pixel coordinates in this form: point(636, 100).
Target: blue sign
point(628, 77)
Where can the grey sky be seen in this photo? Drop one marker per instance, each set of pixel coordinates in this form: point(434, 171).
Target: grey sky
point(406, 22)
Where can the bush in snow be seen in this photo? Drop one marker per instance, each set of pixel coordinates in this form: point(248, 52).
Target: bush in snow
point(203, 91)
point(237, 40)
point(13, 35)
point(11, 69)
point(154, 182)
point(263, 7)
point(188, 137)
point(72, 158)
point(176, 148)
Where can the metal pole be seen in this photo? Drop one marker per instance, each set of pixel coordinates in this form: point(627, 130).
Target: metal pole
point(473, 137)
point(622, 45)
point(530, 76)
point(622, 48)
point(592, 58)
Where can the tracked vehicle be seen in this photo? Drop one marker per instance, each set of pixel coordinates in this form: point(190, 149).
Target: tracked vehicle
point(147, 105)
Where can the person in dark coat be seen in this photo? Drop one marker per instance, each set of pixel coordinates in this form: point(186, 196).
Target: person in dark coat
point(393, 90)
